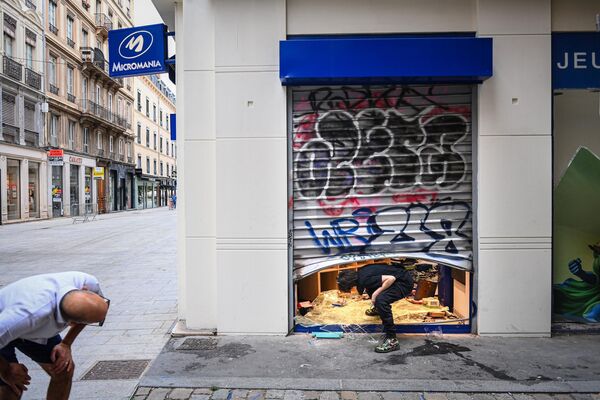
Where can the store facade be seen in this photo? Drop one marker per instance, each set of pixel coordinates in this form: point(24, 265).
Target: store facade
point(327, 147)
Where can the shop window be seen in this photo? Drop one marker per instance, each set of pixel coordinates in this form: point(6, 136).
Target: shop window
point(74, 190)
point(13, 189)
point(87, 190)
point(34, 190)
point(57, 191)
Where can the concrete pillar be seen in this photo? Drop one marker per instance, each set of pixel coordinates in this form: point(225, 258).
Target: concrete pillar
point(196, 22)
point(3, 183)
point(514, 163)
point(66, 189)
point(24, 189)
point(44, 190)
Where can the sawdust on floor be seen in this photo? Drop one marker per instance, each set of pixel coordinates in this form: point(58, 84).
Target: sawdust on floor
point(353, 311)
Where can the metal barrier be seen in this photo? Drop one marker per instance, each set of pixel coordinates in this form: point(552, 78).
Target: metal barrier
point(90, 211)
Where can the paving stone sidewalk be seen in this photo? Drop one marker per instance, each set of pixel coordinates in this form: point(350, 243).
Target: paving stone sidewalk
point(133, 254)
point(148, 393)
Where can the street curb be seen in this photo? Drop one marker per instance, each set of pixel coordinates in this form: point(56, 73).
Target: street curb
point(369, 385)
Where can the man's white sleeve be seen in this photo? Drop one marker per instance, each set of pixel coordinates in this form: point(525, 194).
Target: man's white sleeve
point(13, 326)
point(92, 284)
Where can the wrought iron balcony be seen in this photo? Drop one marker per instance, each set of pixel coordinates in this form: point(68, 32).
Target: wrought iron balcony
point(103, 22)
point(30, 4)
point(71, 97)
point(54, 141)
point(100, 152)
point(121, 157)
point(96, 65)
point(111, 155)
point(53, 28)
point(71, 43)
point(53, 89)
point(129, 160)
point(102, 113)
point(33, 79)
point(12, 68)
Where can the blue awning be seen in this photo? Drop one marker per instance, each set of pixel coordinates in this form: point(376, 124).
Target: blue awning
point(385, 60)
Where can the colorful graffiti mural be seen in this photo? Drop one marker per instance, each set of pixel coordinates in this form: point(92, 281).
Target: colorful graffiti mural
point(576, 225)
point(382, 169)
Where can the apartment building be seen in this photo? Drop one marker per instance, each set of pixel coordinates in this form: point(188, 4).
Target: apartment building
point(90, 113)
point(23, 162)
point(156, 153)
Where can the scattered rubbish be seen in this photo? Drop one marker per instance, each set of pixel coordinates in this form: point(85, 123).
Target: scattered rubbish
point(328, 335)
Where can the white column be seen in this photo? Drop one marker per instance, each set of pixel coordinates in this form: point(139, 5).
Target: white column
point(24, 189)
point(66, 189)
point(44, 190)
point(197, 200)
point(514, 185)
point(3, 183)
point(251, 168)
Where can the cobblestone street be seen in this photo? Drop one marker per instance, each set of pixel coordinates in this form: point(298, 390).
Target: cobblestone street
point(133, 255)
point(144, 393)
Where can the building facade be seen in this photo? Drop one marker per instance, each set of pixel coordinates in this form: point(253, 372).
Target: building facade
point(295, 165)
point(23, 161)
point(90, 114)
point(156, 153)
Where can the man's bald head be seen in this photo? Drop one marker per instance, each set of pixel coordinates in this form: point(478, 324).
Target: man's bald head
point(83, 306)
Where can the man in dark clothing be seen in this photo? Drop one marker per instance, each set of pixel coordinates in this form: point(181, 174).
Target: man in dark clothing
point(385, 284)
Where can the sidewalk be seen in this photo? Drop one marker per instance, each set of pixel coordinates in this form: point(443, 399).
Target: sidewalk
point(300, 367)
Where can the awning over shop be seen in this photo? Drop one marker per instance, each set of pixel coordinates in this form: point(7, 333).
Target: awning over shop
point(314, 61)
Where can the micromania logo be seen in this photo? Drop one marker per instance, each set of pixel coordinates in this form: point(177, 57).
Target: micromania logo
point(135, 44)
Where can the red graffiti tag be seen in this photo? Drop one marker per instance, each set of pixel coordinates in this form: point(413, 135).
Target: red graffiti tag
point(419, 196)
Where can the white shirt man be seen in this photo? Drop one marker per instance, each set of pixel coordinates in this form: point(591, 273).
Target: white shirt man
point(33, 311)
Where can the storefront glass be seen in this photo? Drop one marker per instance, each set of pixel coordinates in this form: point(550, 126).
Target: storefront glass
point(57, 191)
point(34, 190)
point(74, 185)
point(13, 188)
point(87, 191)
point(140, 196)
point(149, 196)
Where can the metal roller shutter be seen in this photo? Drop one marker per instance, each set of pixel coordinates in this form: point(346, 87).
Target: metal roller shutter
point(381, 171)
point(8, 109)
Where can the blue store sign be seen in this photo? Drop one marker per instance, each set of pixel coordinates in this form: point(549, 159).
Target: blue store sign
point(137, 51)
point(576, 60)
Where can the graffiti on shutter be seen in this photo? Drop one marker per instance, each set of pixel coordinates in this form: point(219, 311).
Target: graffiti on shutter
point(381, 171)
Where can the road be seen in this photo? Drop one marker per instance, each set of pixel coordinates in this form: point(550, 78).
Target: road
point(133, 254)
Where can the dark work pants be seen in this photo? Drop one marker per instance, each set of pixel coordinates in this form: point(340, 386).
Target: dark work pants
point(383, 305)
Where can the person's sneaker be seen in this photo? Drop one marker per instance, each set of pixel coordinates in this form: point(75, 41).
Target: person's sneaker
point(371, 312)
point(389, 344)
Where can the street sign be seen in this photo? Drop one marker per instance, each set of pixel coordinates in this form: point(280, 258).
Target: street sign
point(576, 60)
point(55, 157)
point(98, 172)
point(137, 51)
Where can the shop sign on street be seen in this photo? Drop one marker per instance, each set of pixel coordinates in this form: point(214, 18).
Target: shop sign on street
point(98, 172)
point(140, 50)
point(576, 60)
point(55, 157)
